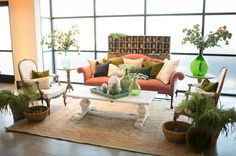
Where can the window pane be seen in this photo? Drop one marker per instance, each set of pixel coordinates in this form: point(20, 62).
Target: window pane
point(6, 65)
point(119, 7)
point(5, 35)
point(213, 23)
point(46, 29)
point(45, 8)
point(64, 8)
point(47, 61)
point(220, 5)
point(76, 61)
point(172, 6)
point(102, 55)
point(86, 28)
point(172, 26)
point(127, 25)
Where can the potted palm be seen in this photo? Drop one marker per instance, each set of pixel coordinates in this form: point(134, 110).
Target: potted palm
point(18, 101)
point(207, 120)
point(194, 36)
point(62, 41)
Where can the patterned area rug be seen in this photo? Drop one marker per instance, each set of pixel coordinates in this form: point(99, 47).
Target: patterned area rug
point(110, 132)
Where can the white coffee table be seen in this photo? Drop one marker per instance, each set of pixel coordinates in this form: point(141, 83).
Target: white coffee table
point(83, 93)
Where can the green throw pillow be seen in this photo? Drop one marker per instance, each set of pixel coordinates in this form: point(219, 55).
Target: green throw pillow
point(156, 67)
point(208, 86)
point(41, 74)
point(144, 70)
point(116, 61)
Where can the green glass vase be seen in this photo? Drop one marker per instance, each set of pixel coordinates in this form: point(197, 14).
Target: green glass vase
point(134, 88)
point(125, 81)
point(65, 62)
point(199, 66)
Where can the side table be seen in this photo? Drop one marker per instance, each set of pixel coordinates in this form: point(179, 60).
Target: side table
point(69, 86)
point(199, 78)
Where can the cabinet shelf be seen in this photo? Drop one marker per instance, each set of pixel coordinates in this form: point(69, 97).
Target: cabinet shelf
point(153, 46)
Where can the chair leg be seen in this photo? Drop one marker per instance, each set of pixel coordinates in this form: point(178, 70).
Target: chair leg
point(64, 97)
point(48, 104)
point(171, 102)
point(176, 93)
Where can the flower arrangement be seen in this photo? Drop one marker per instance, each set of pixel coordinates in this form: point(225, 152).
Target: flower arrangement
point(62, 41)
point(195, 37)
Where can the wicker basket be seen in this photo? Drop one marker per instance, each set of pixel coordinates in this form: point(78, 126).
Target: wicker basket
point(175, 131)
point(30, 115)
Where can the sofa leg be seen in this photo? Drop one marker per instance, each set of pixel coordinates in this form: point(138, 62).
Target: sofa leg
point(171, 102)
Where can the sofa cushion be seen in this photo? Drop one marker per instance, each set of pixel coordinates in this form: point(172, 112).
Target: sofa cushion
point(101, 69)
point(143, 70)
point(155, 85)
point(116, 61)
point(167, 70)
point(136, 63)
point(113, 70)
point(92, 64)
point(155, 67)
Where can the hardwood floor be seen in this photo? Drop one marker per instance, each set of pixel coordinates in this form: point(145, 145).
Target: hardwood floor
point(19, 144)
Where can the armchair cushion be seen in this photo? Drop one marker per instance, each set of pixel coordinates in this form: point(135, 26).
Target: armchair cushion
point(37, 74)
point(43, 82)
point(208, 86)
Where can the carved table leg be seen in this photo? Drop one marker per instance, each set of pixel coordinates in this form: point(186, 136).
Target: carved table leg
point(84, 103)
point(142, 116)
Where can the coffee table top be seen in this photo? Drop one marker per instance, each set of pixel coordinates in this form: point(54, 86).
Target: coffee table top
point(145, 97)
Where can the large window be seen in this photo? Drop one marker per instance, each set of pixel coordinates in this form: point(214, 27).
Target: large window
point(99, 18)
point(6, 58)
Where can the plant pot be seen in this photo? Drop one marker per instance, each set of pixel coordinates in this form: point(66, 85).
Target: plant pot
point(17, 113)
point(199, 66)
point(175, 131)
point(36, 113)
point(198, 140)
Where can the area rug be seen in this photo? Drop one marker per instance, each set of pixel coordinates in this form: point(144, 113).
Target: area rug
point(106, 131)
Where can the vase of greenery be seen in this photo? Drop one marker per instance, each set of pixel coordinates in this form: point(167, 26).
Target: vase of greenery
point(18, 101)
point(207, 120)
point(62, 42)
point(199, 66)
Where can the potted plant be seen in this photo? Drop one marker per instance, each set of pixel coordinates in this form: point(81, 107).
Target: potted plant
point(207, 120)
point(194, 36)
point(18, 101)
point(62, 41)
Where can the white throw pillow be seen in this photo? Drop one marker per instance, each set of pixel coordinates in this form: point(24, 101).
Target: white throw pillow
point(167, 70)
point(114, 70)
point(136, 63)
point(92, 64)
point(43, 82)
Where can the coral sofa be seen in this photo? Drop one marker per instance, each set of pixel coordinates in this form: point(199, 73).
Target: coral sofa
point(150, 84)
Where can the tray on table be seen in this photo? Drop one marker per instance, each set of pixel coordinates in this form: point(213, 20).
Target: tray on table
point(98, 91)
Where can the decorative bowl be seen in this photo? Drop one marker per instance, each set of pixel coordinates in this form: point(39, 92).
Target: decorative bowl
point(175, 131)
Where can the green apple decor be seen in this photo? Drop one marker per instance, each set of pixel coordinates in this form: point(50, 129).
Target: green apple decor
point(199, 66)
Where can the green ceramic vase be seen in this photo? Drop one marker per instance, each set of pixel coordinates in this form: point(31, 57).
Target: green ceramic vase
point(134, 88)
point(125, 81)
point(199, 66)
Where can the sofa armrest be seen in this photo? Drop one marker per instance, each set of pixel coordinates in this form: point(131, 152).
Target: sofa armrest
point(87, 72)
point(174, 79)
